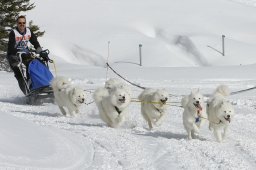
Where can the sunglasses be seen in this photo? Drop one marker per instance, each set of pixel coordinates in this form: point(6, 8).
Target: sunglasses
point(21, 23)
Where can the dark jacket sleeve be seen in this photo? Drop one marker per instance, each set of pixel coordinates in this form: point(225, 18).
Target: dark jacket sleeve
point(11, 44)
point(33, 40)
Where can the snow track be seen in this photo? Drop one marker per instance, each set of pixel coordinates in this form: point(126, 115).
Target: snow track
point(84, 142)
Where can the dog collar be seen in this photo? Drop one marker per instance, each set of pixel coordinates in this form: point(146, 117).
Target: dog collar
point(197, 119)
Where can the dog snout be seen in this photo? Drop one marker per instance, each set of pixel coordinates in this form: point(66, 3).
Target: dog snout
point(122, 99)
point(228, 116)
point(197, 102)
point(164, 100)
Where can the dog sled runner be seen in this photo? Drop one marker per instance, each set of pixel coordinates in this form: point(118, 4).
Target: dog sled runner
point(37, 78)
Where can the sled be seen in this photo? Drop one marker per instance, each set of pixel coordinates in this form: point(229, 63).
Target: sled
point(37, 78)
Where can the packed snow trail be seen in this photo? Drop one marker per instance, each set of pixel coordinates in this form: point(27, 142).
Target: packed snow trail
point(135, 147)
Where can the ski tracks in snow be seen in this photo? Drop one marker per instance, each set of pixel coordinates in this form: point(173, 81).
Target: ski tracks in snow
point(165, 147)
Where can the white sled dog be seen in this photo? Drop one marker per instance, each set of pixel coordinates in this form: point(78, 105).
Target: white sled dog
point(220, 112)
point(194, 115)
point(153, 106)
point(112, 105)
point(66, 96)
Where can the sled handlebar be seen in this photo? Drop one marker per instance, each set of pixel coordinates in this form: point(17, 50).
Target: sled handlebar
point(33, 52)
point(19, 53)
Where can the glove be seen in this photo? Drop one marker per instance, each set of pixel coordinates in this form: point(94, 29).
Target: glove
point(39, 50)
point(44, 55)
point(26, 56)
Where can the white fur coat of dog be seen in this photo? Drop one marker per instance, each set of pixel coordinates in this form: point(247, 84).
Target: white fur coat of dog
point(68, 98)
point(194, 115)
point(153, 106)
point(112, 105)
point(220, 112)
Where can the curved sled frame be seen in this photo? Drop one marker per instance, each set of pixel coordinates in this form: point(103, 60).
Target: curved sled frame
point(37, 96)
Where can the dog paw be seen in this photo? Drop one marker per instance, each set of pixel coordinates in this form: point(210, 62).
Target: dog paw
point(220, 141)
point(157, 124)
point(69, 115)
point(195, 136)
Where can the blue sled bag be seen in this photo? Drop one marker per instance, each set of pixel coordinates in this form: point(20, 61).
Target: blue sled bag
point(40, 75)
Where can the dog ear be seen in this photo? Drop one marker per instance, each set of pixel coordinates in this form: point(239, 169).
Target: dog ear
point(74, 91)
point(195, 90)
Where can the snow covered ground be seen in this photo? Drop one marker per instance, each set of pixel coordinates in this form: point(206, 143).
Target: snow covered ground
point(39, 137)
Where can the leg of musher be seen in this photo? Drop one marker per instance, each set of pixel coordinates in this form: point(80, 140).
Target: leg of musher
point(21, 81)
point(17, 74)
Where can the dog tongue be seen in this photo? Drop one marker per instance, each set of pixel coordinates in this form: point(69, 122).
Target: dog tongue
point(199, 107)
point(227, 119)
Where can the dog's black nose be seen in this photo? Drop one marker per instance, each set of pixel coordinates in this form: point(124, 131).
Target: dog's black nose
point(197, 102)
point(228, 116)
point(123, 97)
point(166, 98)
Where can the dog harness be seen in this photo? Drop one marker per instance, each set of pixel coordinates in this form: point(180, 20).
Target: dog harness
point(118, 111)
point(197, 119)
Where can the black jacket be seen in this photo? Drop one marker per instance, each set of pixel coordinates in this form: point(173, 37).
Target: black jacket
point(11, 44)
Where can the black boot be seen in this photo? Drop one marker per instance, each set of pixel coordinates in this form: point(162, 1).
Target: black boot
point(21, 81)
point(23, 86)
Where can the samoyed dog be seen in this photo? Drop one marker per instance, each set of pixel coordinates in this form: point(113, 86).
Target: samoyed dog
point(153, 106)
point(112, 105)
point(220, 112)
point(68, 98)
point(194, 115)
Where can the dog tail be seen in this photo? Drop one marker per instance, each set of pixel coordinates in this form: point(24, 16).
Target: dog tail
point(184, 101)
point(99, 94)
point(54, 83)
point(145, 93)
point(222, 90)
point(220, 94)
point(61, 83)
point(140, 97)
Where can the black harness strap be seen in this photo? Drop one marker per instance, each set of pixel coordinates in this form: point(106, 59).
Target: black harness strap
point(118, 111)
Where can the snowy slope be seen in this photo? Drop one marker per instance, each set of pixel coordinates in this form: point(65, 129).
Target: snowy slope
point(173, 33)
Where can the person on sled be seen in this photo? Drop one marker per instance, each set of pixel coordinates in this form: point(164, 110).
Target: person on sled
point(19, 39)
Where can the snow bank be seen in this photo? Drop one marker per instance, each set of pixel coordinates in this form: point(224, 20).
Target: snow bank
point(25, 144)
